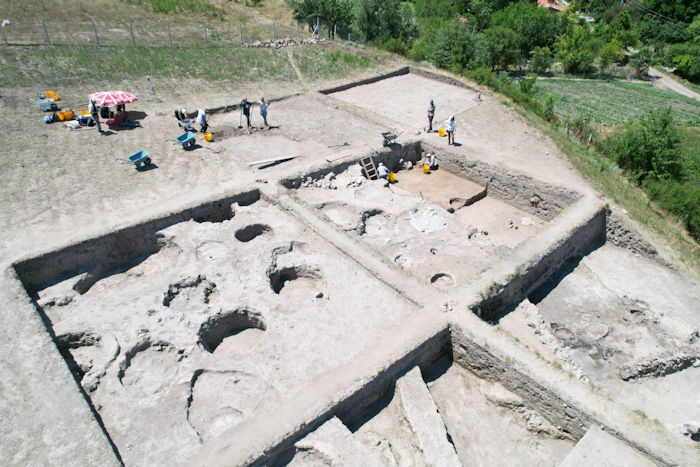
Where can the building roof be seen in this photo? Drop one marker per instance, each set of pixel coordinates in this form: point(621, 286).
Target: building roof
point(553, 5)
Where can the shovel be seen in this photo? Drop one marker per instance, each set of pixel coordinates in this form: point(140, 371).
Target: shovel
point(346, 143)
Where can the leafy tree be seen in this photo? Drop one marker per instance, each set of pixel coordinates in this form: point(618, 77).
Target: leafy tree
point(382, 20)
point(534, 24)
point(642, 60)
point(676, 10)
point(574, 49)
point(541, 60)
point(686, 59)
point(609, 53)
point(333, 12)
point(650, 148)
point(623, 30)
point(503, 46)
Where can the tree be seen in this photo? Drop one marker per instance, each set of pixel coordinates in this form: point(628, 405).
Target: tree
point(609, 53)
point(333, 12)
point(541, 60)
point(642, 60)
point(650, 148)
point(503, 47)
point(574, 49)
point(534, 24)
point(381, 20)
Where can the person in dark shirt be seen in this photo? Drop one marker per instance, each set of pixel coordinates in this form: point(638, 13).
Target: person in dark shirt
point(245, 108)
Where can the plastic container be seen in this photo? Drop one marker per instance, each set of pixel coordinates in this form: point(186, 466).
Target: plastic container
point(85, 112)
point(52, 95)
point(426, 168)
point(208, 137)
point(442, 132)
point(64, 116)
point(391, 176)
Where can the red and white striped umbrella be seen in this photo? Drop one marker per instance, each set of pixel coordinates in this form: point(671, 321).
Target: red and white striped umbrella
point(112, 98)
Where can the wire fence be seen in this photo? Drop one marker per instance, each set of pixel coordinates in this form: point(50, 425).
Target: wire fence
point(101, 33)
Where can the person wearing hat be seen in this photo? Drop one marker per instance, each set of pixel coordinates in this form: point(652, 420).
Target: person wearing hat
point(180, 113)
point(451, 127)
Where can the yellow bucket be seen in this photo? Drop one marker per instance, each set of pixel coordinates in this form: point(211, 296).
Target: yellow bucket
point(426, 168)
point(391, 176)
point(52, 95)
point(208, 136)
point(442, 132)
point(84, 113)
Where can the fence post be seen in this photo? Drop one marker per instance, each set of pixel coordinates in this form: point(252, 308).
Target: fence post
point(170, 37)
point(240, 32)
point(348, 37)
point(133, 39)
point(206, 39)
point(274, 32)
point(4, 37)
point(335, 31)
point(46, 32)
point(97, 38)
point(298, 33)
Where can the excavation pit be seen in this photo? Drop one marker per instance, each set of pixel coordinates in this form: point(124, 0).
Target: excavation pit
point(165, 327)
point(459, 220)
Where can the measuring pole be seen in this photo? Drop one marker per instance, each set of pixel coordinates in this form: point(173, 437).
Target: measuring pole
point(206, 40)
point(240, 32)
point(97, 38)
point(46, 32)
point(133, 39)
point(170, 37)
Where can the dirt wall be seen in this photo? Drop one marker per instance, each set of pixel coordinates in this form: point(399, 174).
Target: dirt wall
point(98, 256)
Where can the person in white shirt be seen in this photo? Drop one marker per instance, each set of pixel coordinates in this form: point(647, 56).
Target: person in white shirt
point(263, 109)
point(382, 170)
point(432, 161)
point(202, 120)
point(451, 128)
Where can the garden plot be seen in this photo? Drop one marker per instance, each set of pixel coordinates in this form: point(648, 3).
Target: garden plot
point(404, 99)
point(423, 224)
point(225, 318)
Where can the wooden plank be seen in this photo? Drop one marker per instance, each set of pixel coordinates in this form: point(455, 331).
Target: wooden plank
point(269, 161)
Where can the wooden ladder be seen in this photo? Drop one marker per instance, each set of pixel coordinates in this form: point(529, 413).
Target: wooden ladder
point(369, 168)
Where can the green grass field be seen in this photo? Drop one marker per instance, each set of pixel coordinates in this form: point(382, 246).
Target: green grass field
point(62, 65)
point(614, 102)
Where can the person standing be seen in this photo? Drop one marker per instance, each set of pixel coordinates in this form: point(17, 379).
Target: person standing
point(431, 114)
point(451, 128)
point(92, 108)
point(245, 108)
point(263, 110)
point(202, 120)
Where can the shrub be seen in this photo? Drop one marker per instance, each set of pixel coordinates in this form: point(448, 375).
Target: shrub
point(680, 199)
point(649, 149)
point(541, 60)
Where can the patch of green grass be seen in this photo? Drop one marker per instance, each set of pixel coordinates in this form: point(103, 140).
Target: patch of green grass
point(64, 65)
point(614, 102)
point(316, 63)
point(176, 6)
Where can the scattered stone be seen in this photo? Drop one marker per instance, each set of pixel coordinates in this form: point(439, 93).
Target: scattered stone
point(472, 232)
point(319, 295)
point(279, 43)
point(659, 366)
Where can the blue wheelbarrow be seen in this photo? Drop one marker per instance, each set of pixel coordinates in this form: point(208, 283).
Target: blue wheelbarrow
point(141, 157)
point(187, 140)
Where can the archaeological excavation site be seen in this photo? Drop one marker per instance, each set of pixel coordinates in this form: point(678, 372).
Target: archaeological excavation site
point(490, 311)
